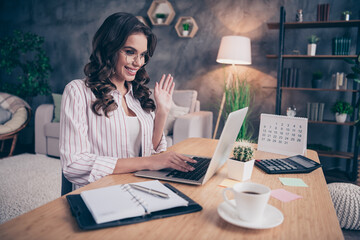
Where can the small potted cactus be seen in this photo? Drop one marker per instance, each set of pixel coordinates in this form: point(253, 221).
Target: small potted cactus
point(186, 27)
point(160, 18)
point(240, 166)
point(312, 41)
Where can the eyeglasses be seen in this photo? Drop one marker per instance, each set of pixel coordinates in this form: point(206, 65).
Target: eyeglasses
point(131, 57)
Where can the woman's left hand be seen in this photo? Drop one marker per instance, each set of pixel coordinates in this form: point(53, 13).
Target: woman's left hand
point(163, 93)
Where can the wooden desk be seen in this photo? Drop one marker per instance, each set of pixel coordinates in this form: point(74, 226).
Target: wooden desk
point(312, 217)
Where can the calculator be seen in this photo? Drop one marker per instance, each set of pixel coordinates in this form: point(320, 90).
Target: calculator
point(294, 164)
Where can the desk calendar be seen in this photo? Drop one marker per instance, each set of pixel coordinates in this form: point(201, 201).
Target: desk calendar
point(282, 134)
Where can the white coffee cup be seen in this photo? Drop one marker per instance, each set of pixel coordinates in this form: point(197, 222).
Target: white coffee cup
point(250, 200)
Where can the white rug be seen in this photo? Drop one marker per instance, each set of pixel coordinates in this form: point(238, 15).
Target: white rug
point(27, 181)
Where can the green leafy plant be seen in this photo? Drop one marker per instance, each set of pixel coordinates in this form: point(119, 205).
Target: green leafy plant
point(342, 107)
point(317, 75)
point(347, 12)
point(237, 96)
point(24, 57)
point(355, 75)
point(243, 152)
point(186, 26)
point(160, 15)
point(313, 39)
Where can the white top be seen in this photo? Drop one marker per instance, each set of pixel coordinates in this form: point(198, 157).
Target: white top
point(134, 136)
point(90, 145)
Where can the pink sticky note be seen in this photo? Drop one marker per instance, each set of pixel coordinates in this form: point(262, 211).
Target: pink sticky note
point(283, 195)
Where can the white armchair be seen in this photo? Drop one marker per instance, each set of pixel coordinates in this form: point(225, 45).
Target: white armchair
point(195, 123)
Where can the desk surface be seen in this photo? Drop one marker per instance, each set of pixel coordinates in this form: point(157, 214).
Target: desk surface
point(312, 217)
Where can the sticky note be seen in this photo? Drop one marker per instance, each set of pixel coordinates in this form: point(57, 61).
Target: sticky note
point(297, 182)
point(284, 196)
point(228, 183)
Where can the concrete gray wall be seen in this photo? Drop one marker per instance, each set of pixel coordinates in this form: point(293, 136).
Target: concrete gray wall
point(69, 25)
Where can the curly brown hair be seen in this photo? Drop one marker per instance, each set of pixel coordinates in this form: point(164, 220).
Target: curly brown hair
point(108, 40)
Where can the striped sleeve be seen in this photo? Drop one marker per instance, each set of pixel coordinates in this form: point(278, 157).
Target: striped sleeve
point(162, 145)
point(80, 166)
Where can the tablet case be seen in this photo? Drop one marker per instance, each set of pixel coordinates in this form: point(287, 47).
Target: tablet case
point(86, 221)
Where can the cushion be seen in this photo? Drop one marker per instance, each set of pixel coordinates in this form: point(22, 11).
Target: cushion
point(57, 106)
point(346, 199)
point(175, 112)
point(17, 120)
point(5, 115)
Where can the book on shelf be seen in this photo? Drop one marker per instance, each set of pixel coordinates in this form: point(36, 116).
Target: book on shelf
point(290, 77)
point(323, 12)
point(315, 111)
point(341, 46)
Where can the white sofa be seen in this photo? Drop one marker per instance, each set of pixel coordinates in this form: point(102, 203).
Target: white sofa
point(196, 123)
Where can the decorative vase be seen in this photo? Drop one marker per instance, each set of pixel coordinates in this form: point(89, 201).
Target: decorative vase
point(340, 118)
point(311, 50)
point(240, 171)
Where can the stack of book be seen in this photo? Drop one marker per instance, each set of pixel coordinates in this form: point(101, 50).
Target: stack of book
point(341, 46)
point(290, 77)
point(323, 11)
point(315, 111)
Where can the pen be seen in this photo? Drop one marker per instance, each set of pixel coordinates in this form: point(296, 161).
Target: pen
point(150, 191)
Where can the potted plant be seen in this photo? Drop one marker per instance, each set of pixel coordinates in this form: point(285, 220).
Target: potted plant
point(313, 40)
point(346, 15)
point(23, 56)
point(241, 165)
point(186, 27)
point(160, 18)
point(316, 79)
point(341, 110)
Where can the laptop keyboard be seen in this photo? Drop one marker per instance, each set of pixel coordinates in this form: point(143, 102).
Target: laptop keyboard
point(200, 170)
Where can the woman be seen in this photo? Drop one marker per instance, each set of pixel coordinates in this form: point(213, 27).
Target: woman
point(108, 123)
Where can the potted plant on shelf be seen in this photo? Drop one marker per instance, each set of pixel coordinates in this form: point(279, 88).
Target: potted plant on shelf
point(316, 80)
point(240, 167)
point(160, 18)
point(341, 110)
point(186, 27)
point(313, 40)
point(346, 15)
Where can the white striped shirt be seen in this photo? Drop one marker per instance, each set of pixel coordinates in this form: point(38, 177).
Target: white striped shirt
point(89, 144)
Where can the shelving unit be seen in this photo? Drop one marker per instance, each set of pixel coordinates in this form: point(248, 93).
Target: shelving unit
point(163, 7)
point(352, 149)
point(193, 27)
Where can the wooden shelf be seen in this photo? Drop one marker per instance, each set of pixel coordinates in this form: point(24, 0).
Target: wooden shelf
point(335, 154)
point(327, 24)
point(332, 123)
point(313, 89)
point(193, 27)
point(340, 57)
point(161, 6)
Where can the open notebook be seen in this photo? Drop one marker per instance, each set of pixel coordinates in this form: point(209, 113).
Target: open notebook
point(121, 201)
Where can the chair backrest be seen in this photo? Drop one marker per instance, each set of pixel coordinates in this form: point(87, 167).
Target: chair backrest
point(186, 98)
point(66, 185)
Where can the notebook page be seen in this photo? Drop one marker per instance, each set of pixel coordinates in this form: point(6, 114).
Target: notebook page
point(154, 203)
point(111, 203)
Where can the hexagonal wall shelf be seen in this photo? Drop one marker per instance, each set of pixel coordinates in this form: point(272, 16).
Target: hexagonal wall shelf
point(186, 27)
point(161, 12)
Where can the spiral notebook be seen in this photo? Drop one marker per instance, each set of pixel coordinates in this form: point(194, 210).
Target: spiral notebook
point(121, 201)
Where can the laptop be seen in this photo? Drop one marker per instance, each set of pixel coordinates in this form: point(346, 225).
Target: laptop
point(205, 168)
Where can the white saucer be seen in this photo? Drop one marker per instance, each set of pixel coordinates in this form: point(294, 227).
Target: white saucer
point(272, 217)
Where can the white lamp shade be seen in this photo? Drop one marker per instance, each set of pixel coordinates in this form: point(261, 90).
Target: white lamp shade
point(234, 50)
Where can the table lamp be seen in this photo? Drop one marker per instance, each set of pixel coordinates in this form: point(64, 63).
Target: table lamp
point(233, 50)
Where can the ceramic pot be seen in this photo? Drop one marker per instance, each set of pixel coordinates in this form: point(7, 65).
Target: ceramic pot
point(311, 50)
point(240, 171)
point(185, 32)
point(340, 118)
point(347, 17)
point(160, 20)
point(316, 83)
